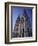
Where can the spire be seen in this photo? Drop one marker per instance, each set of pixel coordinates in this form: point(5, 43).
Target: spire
point(25, 13)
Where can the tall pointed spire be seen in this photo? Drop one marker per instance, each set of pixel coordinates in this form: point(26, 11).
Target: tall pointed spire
point(25, 13)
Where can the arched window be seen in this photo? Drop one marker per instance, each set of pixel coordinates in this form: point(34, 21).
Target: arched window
point(23, 33)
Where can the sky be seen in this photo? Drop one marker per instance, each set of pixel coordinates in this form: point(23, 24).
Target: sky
point(16, 11)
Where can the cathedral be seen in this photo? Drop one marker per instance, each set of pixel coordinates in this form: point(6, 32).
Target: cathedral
point(22, 26)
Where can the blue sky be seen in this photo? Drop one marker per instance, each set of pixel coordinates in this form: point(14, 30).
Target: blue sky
point(16, 11)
